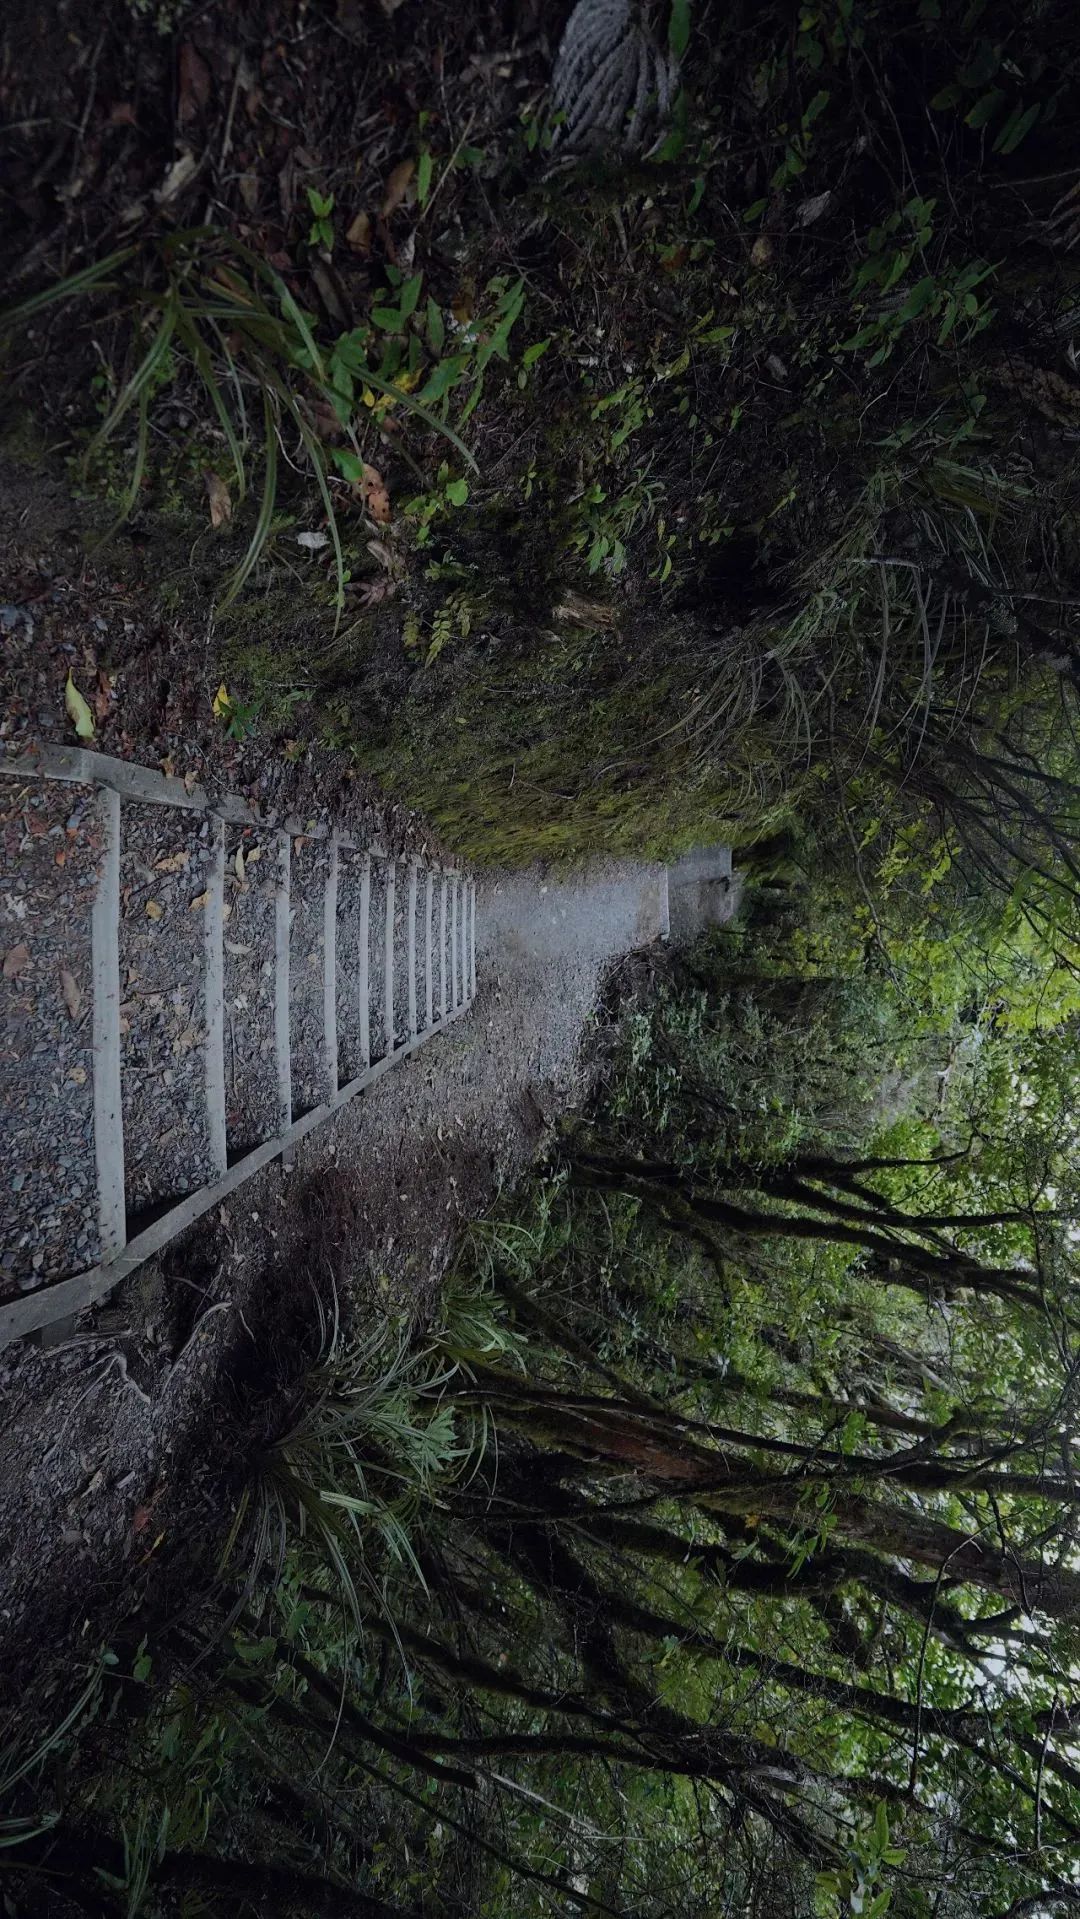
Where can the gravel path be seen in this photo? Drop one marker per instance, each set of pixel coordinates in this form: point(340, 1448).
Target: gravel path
point(49, 844)
point(251, 1093)
point(163, 879)
point(125, 1418)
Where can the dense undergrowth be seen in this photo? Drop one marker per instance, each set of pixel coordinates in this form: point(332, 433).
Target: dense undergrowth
point(714, 1550)
point(772, 494)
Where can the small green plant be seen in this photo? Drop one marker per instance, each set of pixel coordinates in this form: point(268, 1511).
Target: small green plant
point(453, 619)
point(538, 131)
point(856, 1888)
point(322, 224)
point(242, 718)
point(946, 296)
point(602, 525)
point(798, 142)
point(447, 492)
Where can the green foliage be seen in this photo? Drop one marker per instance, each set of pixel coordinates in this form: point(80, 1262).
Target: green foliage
point(857, 1889)
point(208, 302)
point(375, 1437)
point(822, 408)
point(895, 249)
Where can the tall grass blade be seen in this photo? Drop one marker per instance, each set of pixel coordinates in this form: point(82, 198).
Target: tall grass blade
point(189, 334)
point(265, 519)
point(75, 283)
point(140, 381)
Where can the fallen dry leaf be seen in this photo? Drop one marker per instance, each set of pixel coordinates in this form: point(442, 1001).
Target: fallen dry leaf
point(372, 490)
point(218, 494)
point(326, 422)
point(199, 901)
point(72, 992)
point(581, 611)
point(77, 1076)
point(397, 186)
point(179, 175)
point(153, 910)
point(374, 592)
point(174, 863)
point(103, 696)
point(327, 284)
point(234, 946)
point(16, 961)
point(78, 711)
point(675, 261)
point(239, 862)
point(810, 210)
point(358, 233)
point(194, 84)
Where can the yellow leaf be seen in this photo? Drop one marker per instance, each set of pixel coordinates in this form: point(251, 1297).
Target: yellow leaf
point(463, 305)
point(221, 701)
point(78, 711)
point(153, 910)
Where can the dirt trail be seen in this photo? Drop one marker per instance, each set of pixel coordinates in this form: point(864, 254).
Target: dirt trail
point(111, 1446)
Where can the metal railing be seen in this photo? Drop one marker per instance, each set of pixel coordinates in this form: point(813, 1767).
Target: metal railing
point(441, 894)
